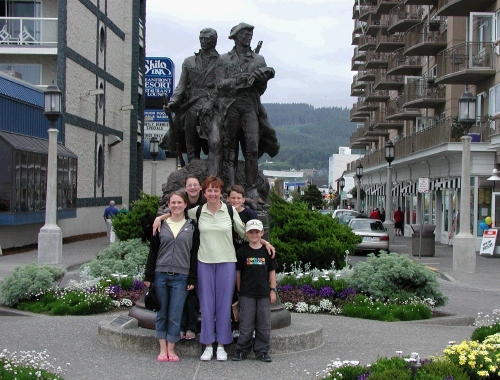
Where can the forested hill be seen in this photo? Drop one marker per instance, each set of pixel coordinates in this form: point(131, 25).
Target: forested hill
point(308, 135)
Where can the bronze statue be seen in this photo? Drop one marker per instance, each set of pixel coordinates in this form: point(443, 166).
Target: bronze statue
point(241, 77)
point(192, 100)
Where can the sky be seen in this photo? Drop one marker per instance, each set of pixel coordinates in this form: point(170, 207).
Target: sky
point(307, 42)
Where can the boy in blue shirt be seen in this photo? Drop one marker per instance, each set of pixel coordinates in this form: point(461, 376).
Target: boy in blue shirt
point(256, 284)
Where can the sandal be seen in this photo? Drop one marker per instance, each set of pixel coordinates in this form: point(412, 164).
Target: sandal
point(183, 335)
point(173, 358)
point(164, 358)
point(190, 335)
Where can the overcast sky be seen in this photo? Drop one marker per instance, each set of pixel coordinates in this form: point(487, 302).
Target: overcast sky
point(307, 42)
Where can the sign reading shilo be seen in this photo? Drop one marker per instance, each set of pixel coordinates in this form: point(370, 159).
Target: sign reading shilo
point(159, 77)
point(156, 124)
point(488, 242)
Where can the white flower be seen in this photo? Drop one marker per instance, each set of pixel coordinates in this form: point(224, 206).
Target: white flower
point(301, 307)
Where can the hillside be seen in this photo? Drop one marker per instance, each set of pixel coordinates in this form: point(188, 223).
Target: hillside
point(308, 135)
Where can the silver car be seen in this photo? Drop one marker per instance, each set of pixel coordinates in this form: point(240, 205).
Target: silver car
point(373, 232)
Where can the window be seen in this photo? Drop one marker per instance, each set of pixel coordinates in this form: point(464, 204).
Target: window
point(101, 96)
point(102, 38)
point(100, 166)
point(481, 31)
point(28, 73)
point(494, 100)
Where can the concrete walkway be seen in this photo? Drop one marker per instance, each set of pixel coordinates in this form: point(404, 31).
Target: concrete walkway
point(75, 340)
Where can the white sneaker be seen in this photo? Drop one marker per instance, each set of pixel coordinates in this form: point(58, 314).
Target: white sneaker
point(236, 334)
point(221, 354)
point(207, 354)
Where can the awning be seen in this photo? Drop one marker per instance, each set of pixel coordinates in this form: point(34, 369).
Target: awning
point(376, 190)
point(33, 144)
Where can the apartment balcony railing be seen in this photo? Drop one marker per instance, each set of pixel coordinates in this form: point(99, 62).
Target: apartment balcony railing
point(402, 18)
point(376, 60)
point(398, 64)
point(384, 81)
point(382, 124)
point(384, 6)
point(355, 38)
point(359, 26)
point(387, 43)
point(421, 2)
point(466, 63)
point(355, 11)
point(366, 75)
point(357, 87)
point(425, 39)
point(32, 31)
point(396, 111)
point(365, 11)
point(366, 42)
point(424, 94)
point(462, 7)
point(375, 96)
point(357, 115)
point(364, 106)
point(358, 59)
point(376, 23)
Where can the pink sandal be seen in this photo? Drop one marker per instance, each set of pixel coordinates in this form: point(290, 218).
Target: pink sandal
point(164, 358)
point(173, 358)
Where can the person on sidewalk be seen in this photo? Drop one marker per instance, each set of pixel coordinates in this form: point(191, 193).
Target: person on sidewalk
point(256, 284)
point(171, 266)
point(109, 213)
point(398, 221)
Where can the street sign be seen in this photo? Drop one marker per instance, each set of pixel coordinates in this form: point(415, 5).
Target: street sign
point(488, 242)
point(343, 195)
point(423, 185)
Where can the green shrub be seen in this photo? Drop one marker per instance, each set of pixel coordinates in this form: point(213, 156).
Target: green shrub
point(481, 333)
point(138, 222)
point(124, 257)
point(395, 277)
point(299, 234)
point(439, 370)
point(391, 374)
point(25, 282)
point(347, 372)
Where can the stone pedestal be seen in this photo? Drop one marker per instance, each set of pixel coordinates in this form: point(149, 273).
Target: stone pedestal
point(50, 245)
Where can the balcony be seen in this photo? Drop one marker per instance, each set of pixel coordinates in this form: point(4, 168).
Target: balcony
point(375, 60)
point(355, 11)
point(387, 43)
point(359, 140)
point(28, 35)
point(422, 2)
point(466, 63)
point(359, 26)
point(382, 124)
point(425, 39)
point(424, 94)
point(366, 42)
point(462, 7)
point(375, 96)
point(365, 11)
point(398, 64)
point(403, 18)
point(371, 130)
point(384, 6)
point(357, 87)
point(355, 38)
point(364, 106)
point(375, 24)
point(396, 111)
point(356, 114)
point(383, 81)
point(367, 75)
point(358, 59)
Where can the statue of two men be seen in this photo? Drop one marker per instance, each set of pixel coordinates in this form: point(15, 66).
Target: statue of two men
point(223, 107)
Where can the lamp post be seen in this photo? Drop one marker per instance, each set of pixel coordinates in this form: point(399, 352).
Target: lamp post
point(153, 150)
point(341, 185)
point(388, 223)
point(464, 244)
point(50, 235)
point(359, 174)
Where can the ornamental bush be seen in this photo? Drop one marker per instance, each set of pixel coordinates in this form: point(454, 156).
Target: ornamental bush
point(390, 276)
point(25, 282)
point(124, 257)
point(440, 369)
point(481, 333)
point(138, 222)
point(299, 234)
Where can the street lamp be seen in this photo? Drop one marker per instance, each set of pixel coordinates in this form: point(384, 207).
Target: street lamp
point(153, 150)
point(359, 174)
point(341, 185)
point(389, 157)
point(50, 235)
point(464, 244)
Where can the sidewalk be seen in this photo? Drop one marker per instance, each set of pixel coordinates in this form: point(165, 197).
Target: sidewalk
point(74, 339)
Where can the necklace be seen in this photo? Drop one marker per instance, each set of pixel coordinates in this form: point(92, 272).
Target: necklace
point(177, 221)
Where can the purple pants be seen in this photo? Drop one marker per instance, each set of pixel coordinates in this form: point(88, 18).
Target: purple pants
point(215, 291)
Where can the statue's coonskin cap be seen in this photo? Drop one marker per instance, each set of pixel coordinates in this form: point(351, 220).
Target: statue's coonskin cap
point(241, 26)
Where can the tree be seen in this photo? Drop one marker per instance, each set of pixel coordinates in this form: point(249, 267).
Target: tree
point(313, 197)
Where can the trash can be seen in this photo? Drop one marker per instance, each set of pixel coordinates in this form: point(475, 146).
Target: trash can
point(428, 240)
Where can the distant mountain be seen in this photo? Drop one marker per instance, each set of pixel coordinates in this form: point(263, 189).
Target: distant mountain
point(308, 135)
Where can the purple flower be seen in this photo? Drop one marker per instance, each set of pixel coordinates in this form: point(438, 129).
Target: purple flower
point(286, 288)
point(326, 292)
point(309, 290)
point(114, 289)
point(346, 292)
point(364, 376)
point(137, 285)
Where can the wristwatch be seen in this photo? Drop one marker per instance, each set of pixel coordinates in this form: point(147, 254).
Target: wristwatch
point(276, 290)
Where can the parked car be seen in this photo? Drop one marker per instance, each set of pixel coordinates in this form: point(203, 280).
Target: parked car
point(344, 215)
point(373, 232)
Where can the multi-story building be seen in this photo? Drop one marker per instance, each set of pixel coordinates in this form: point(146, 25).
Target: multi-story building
point(94, 51)
point(413, 60)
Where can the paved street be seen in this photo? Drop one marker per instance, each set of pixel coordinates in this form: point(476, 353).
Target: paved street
point(74, 339)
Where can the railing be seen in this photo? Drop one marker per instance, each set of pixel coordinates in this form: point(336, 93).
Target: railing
point(374, 56)
point(366, 40)
point(421, 89)
point(366, 9)
point(466, 55)
point(395, 107)
point(425, 32)
point(386, 38)
point(400, 13)
point(397, 59)
point(28, 31)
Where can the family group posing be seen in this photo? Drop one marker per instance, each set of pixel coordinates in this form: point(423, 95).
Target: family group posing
point(193, 257)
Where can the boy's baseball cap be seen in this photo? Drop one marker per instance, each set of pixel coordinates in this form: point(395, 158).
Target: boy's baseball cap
point(254, 224)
